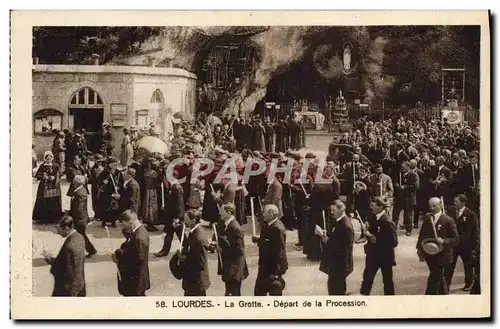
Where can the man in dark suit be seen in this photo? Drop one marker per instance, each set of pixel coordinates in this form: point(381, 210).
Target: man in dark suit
point(400, 156)
point(130, 194)
point(273, 261)
point(274, 195)
point(68, 267)
point(468, 247)
point(350, 175)
point(381, 185)
point(173, 217)
point(379, 250)
point(406, 197)
point(132, 257)
point(441, 179)
point(79, 212)
point(233, 268)
point(193, 257)
point(338, 239)
point(469, 181)
point(447, 236)
point(109, 181)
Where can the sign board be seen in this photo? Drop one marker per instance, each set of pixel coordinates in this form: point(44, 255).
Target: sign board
point(118, 109)
point(453, 117)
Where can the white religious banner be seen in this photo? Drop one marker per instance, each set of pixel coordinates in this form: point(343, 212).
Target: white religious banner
point(453, 117)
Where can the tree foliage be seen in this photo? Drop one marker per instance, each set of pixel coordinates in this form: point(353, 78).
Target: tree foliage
point(75, 45)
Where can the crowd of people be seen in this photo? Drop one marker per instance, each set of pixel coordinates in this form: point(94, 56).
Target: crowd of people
point(427, 170)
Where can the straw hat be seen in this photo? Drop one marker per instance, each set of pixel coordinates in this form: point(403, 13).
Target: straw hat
point(431, 247)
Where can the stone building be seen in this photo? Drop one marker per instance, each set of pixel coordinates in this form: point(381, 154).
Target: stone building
point(77, 97)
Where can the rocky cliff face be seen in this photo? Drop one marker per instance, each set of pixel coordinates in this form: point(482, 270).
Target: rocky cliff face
point(276, 48)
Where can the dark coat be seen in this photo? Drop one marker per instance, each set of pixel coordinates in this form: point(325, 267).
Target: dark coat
point(466, 179)
point(210, 209)
point(468, 229)
point(337, 252)
point(407, 192)
point(445, 229)
point(386, 239)
point(132, 259)
point(231, 241)
point(78, 205)
point(195, 263)
point(68, 268)
point(174, 207)
point(130, 197)
point(272, 253)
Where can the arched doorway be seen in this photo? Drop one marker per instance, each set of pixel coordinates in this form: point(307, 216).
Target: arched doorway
point(86, 112)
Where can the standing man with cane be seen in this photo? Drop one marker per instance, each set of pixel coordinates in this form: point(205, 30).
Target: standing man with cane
point(437, 238)
point(132, 257)
point(230, 242)
point(273, 261)
point(337, 259)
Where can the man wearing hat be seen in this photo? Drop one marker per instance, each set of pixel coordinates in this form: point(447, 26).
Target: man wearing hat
point(95, 171)
point(273, 261)
point(437, 239)
point(379, 250)
point(110, 182)
point(381, 186)
point(173, 214)
point(406, 196)
point(78, 210)
point(107, 141)
point(59, 149)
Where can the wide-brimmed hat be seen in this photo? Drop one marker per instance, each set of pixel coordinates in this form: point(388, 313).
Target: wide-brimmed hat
point(176, 266)
point(431, 247)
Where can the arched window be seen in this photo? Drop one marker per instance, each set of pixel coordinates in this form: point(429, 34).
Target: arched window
point(155, 105)
point(45, 121)
point(86, 97)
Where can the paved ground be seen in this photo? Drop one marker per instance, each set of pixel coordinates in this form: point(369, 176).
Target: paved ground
point(303, 277)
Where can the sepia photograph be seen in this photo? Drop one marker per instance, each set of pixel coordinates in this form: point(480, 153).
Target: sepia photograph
point(244, 168)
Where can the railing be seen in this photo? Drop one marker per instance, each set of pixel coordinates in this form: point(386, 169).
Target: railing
point(421, 113)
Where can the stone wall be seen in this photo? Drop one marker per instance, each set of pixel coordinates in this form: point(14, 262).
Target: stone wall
point(54, 86)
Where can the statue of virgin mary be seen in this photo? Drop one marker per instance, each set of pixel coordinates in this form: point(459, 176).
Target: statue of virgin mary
point(347, 57)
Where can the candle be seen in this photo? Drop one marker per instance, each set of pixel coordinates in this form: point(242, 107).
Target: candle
point(473, 177)
point(253, 217)
point(400, 179)
point(162, 195)
point(353, 172)
point(381, 192)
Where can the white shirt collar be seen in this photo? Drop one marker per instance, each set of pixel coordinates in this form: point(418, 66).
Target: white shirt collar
point(194, 228)
point(341, 216)
point(272, 222)
point(126, 182)
point(436, 217)
point(380, 214)
point(70, 234)
point(227, 222)
point(461, 211)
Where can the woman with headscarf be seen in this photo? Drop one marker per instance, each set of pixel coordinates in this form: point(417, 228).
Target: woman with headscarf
point(127, 149)
point(48, 206)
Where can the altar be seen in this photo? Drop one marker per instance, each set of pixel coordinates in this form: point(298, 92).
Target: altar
point(313, 120)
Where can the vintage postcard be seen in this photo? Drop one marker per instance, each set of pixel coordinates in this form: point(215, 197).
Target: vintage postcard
point(250, 165)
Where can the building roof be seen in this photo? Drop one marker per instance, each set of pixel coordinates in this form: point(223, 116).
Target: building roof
point(148, 70)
